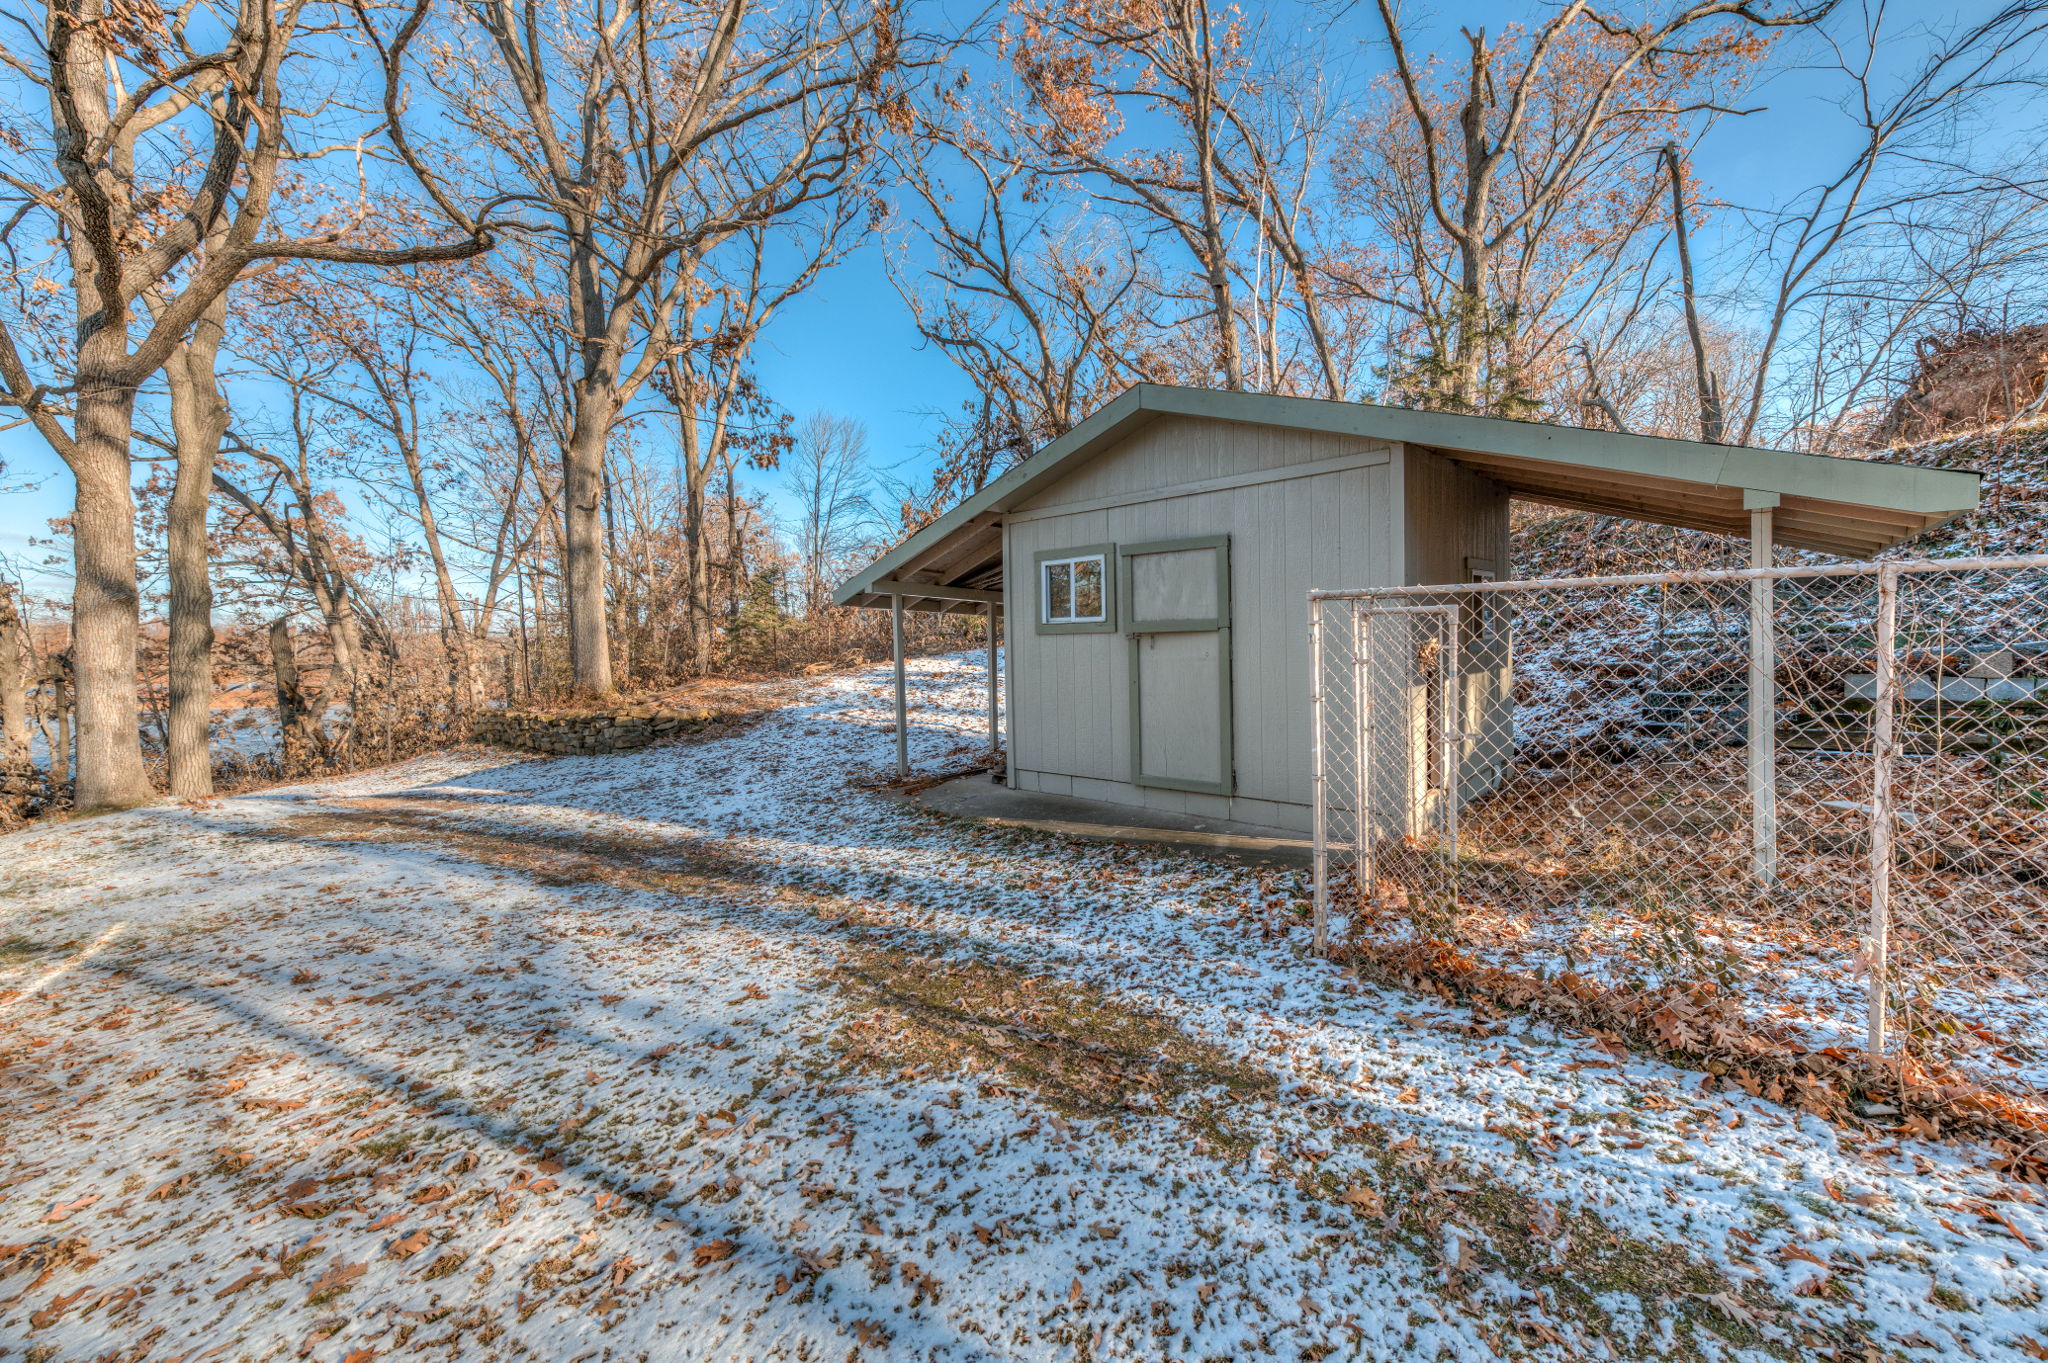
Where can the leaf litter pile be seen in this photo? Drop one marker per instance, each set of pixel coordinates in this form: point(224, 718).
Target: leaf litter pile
point(709, 1051)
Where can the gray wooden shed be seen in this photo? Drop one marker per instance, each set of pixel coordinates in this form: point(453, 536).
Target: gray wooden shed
point(1152, 565)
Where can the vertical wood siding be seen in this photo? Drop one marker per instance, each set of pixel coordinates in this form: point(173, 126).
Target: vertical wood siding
point(1451, 514)
point(1454, 515)
point(1070, 693)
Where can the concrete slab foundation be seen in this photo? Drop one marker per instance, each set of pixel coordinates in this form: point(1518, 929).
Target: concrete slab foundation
point(977, 797)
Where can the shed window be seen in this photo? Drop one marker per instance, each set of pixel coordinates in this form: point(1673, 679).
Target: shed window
point(1070, 590)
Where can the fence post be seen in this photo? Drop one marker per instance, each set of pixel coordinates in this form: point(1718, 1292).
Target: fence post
point(1364, 869)
point(1883, 817)
point(1451, 728)
point(1763, 692)
point(1318, 777)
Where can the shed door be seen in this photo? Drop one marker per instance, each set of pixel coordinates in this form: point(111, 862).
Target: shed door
point(1176, 613)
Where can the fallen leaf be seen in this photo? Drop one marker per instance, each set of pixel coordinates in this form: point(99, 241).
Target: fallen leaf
point(713, 1251)
point(1733, 1307)
point(167, 1188)
point(57, 1308)
point(253, 1275)
point(337, 1278)
point(64, 1209)
point(408, 1246)
point(1365, 1201)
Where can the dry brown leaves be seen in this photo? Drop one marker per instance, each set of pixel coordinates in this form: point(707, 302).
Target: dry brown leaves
point(1692, 1026)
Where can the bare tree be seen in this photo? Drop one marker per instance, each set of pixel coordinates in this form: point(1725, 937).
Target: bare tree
point(493, 320)
point(1706, 382)
point(199, 419)
point(159, 176)
point(827, 473)
point(1039, 311)
point(1909, 159)
point(1487, 183)
point(1082, 64)
point(358, 348)
point(615, 143)
point(292, 537)
point(708, 379)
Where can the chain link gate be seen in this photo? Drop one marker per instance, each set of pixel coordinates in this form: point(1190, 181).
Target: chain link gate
point(1817, 794)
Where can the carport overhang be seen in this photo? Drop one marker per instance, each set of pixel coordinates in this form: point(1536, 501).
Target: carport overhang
point(1849, 507)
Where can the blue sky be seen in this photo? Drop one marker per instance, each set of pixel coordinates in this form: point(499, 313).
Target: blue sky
point(847, 346)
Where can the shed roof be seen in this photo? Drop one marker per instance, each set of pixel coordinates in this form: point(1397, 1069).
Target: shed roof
point(1852, 507)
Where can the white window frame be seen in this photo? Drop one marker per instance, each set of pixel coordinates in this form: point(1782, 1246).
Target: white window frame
point(1045, 567)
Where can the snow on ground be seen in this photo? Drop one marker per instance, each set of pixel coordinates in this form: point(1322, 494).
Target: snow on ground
point(703, 1052)
point(238, 732)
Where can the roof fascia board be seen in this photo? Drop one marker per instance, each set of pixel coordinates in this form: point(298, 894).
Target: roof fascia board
point(1020, 482)
point(1903, 487)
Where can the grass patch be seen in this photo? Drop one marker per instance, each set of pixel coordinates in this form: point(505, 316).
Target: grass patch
point(1472, 1226)
point(682, 866)
point(18, 950)
point(1082, 1052)
point(391, 1147)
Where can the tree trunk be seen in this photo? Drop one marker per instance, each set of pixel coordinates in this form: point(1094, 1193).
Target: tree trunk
point(291, 696)
point(13, 683)
point(1475, 219)
point(105, 603)
point(1707, 384)
point(698, 569)
point(199, 418)
point(60, 711)
point(17, 773)
point(736, 562)
point(590, 657)
point(1216, 263)
point(619, 630)
point(465, 682)
point(525, 691)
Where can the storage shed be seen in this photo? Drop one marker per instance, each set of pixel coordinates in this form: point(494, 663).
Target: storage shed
point(1152, 566)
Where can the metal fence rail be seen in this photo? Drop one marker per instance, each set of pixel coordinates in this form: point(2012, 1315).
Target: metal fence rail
point(1816, 795)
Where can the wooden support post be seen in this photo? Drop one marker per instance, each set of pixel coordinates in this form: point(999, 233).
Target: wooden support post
point(995, 730)
point(902, 694)
point(1763, 691)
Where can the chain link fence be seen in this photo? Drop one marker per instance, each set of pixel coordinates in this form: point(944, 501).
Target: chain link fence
point(1807, 803)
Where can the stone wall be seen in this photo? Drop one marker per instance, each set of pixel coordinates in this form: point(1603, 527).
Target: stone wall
point(589, 733)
